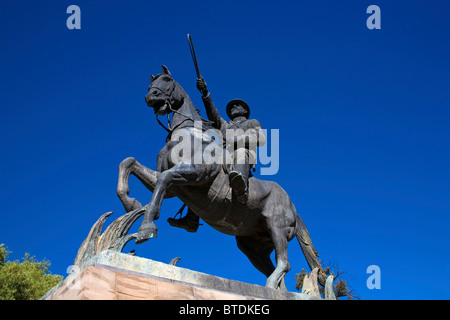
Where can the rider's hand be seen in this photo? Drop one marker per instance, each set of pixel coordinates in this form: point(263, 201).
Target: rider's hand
point(201, 86)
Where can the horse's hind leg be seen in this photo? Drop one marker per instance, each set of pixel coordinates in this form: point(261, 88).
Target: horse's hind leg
point(281, 232)
point(258, 252)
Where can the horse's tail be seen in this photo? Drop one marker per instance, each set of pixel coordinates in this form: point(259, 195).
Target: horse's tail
point(310, 253)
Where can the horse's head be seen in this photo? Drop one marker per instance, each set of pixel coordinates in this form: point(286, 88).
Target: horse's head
point(163, 93)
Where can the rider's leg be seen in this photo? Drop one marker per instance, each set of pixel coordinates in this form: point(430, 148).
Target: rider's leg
point(240, 174)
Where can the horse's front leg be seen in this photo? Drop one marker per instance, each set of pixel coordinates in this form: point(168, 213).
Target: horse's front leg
point(147, 176)
point(180, 174)
point(126, 168)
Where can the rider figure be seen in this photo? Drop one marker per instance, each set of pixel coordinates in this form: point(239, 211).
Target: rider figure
point(241, 145)
point(244, 155)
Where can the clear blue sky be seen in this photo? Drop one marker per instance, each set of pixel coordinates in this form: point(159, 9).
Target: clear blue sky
point(363, 117)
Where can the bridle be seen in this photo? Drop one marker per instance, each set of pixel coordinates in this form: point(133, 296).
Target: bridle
point(168, 94)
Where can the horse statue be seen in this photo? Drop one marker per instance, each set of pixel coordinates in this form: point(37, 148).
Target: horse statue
point(267, 221)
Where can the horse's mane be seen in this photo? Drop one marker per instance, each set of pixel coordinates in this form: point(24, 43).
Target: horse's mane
point(206, 124)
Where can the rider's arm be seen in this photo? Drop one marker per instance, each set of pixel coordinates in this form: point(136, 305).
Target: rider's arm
point(257, 136)
point(211, 110)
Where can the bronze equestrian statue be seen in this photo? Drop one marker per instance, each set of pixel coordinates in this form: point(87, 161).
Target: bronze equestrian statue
point(265, 221)
point(242, 145)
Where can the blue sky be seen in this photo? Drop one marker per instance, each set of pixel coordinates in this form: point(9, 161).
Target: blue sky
point(363, 117)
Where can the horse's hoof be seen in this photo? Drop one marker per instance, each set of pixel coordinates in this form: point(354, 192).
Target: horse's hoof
point(146, 233)
point(272, 284)
point(140, 240)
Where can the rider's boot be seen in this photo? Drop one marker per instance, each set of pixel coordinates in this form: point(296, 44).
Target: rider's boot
point(189, 222)
point(239, 181)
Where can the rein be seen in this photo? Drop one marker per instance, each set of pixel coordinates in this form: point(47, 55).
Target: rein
point(169, 122)
point(169, 130)
point(168, 93)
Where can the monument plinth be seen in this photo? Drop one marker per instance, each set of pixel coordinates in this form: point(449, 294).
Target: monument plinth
point(111, 275)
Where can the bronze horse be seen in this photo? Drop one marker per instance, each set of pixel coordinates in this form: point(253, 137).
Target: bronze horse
point(266, 222)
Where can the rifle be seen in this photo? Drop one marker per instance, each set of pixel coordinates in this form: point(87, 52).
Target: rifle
point(194, 57)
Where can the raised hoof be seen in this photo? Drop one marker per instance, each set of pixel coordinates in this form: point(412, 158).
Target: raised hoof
point(140, 240)
point(146, 233)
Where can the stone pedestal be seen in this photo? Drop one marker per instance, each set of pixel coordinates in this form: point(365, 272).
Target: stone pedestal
point(116, 276)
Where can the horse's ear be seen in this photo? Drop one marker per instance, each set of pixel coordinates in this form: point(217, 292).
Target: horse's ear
point(152, 77)
point(165, 70)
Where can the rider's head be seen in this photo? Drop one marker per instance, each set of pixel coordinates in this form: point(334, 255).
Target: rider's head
point(238, 108)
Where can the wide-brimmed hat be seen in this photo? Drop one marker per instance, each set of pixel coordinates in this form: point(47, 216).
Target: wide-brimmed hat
point(237, 101)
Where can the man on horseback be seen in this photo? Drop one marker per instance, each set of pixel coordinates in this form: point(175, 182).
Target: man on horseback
point(265, 222)
point(242, 146)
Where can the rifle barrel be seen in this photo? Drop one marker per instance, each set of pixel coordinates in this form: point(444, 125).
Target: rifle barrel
point(194, 57)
